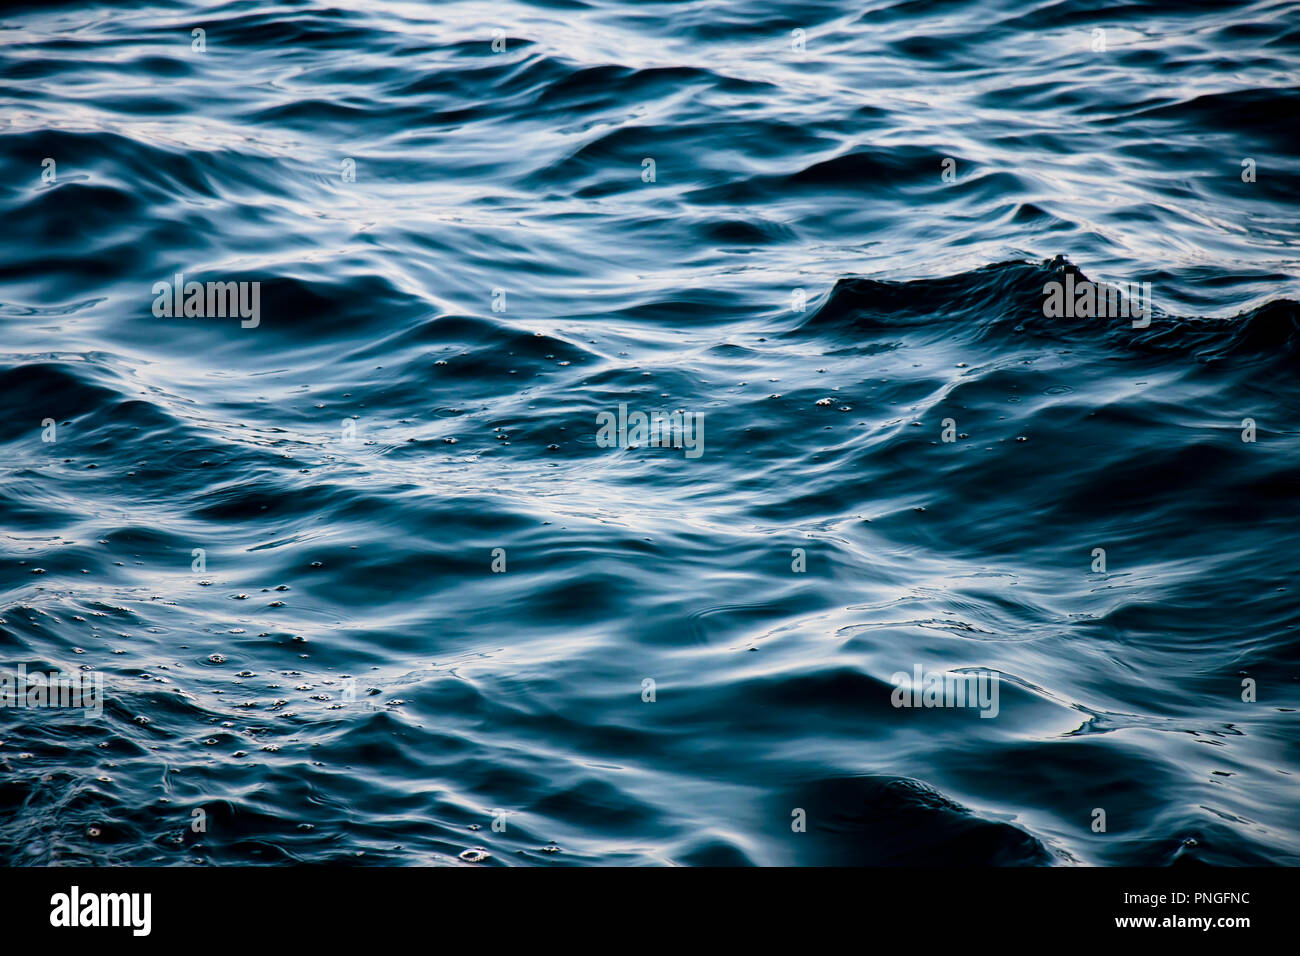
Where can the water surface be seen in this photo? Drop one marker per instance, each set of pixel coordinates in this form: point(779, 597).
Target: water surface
point(347, 678)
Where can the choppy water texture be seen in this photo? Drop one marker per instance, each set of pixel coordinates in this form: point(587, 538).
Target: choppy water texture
point(519, 695)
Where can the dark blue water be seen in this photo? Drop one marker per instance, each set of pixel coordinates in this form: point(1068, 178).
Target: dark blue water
point(346, 678)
